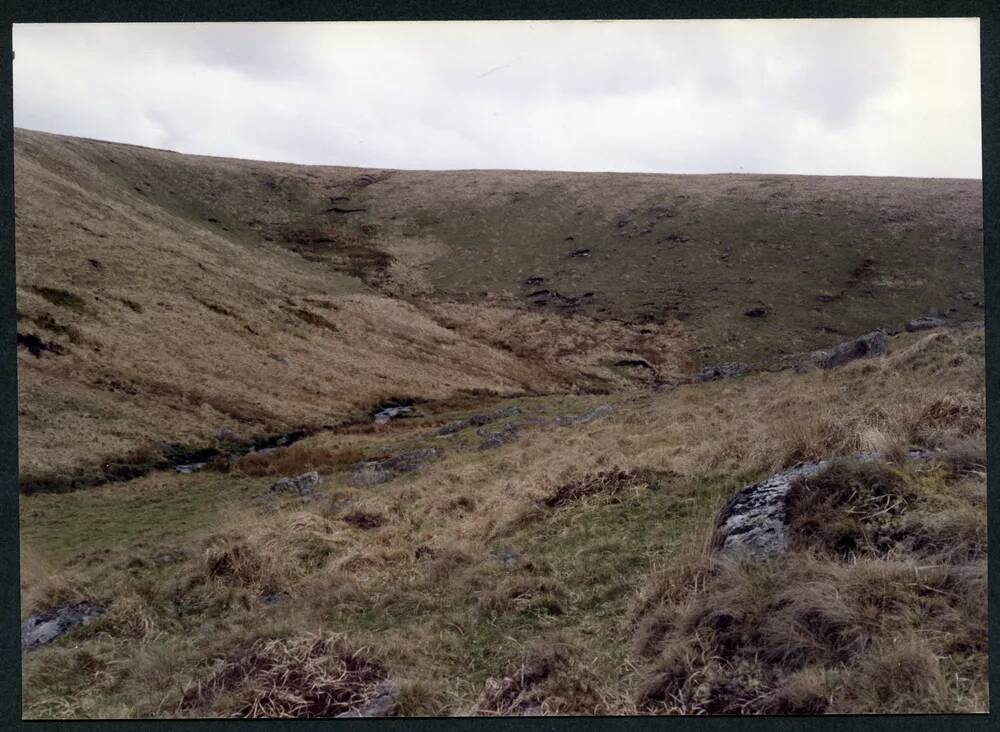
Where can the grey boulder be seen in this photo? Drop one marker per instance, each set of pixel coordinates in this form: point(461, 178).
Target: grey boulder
point(372, 472)
point(304, 486)
point(589, 416)
point(493, 439)
point(866, 346)
point(925, 323)
point(45, 627)
point(720, 371)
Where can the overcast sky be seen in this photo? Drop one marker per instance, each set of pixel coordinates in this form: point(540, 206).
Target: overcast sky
point(865, 97)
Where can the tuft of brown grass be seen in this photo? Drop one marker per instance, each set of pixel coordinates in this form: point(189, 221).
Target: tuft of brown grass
point(296, 460)
point(900, 676)
point(806, 634)
point(846, 509)
point(605, 485)
point(550, 679)
point(128, 616)
point(308, 676)
point(524, 593)
point(364, 519)
point(45, 584)
point(267, 559)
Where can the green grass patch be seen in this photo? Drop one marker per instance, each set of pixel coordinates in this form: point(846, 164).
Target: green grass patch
point(161, 508)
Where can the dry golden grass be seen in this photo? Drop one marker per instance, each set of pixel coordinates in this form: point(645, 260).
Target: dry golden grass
point(316, 675)
point(174, 328)
point(267, 558)
point(551, 679)
point(193, 293)
point(45, 584)
point(808, 635)
point(866, 614)
point(406, 567)
point(272, 317)
point(296, 460)
point(914, 396)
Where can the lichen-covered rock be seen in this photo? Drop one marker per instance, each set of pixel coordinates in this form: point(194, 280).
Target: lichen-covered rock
point(507, 412)
point(506, 557)
point(753, 523)
point(407, 462)
point(373, 472)
point(493, 439)
point(476, 420)
point(304, 486)
point(45, 627)
point(370, 472)
point(589, 416)
point(925, 323)
point(720, 371)
point(394, 412)
point(866, 346)
point(753, 520)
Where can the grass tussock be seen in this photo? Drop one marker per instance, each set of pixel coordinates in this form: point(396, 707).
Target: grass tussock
point(364, 519)
point(45, 584)
point(806, 635)
point(62, 298)
point(471, 576)
point(911, 397)
point(846, 509)
point(268, 559)
point(875, 508)
point(524, 593)
point(309, 676)
point(550, 679)
point(605, 485)
point(880, 605)
point(129, 616)
point(296, 460)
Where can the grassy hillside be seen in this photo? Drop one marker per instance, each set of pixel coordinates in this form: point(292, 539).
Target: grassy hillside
point(535, 538)
point(224, 293)
point(565, 572)
point(169, 319)
point(698, 249)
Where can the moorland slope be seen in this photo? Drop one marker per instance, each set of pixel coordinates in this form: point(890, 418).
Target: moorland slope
point(536, 532)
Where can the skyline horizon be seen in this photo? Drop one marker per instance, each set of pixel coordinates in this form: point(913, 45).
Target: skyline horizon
point(869, 97)
point(500, 170)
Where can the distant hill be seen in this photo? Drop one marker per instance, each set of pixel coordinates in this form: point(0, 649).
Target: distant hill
point(171, 295)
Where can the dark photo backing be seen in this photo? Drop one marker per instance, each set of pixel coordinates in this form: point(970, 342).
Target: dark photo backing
point(364, 520)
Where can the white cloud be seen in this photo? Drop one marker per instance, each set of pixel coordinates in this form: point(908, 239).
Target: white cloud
point(871, 97)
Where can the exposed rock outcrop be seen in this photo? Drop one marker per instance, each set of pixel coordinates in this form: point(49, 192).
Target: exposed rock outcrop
point(372, 472)
point(45, 627)
point(753, 522)
point(924, 323)
point(478, 420)
point(720, 371)
point(589, 416)
point(506, 557)
point(866, 346)
point(394, 412)
point(304, 486)
point(493, 439)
